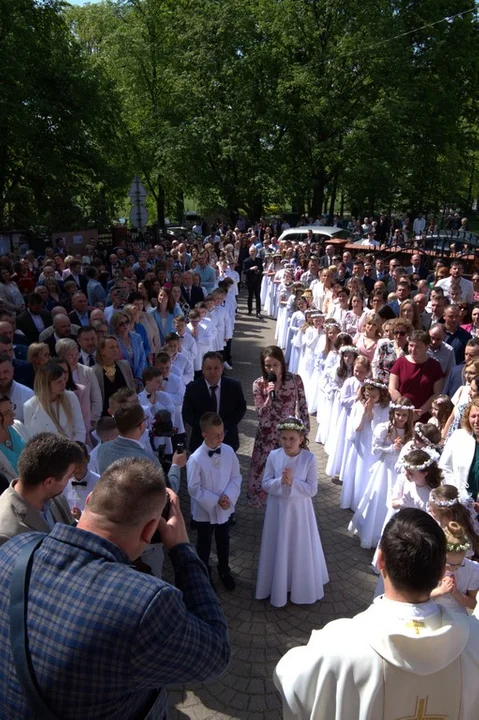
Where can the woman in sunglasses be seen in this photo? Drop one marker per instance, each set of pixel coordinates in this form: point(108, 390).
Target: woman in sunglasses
point(392, 346)
point(11, 440)
point(131, 345)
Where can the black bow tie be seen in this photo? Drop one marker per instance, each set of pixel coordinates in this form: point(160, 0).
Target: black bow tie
point(79, 482)
point(214, 452)
point(165, 379)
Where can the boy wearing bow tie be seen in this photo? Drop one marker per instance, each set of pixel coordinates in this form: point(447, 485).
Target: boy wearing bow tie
point(80, 484)
point(214, 484)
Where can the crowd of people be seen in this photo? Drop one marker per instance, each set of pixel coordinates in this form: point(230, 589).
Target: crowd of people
point(117, 358)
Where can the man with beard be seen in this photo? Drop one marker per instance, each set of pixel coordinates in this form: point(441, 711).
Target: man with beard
point(34, 501)
point(15, 391)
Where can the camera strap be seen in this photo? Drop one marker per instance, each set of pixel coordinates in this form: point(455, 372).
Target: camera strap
point(18, 629)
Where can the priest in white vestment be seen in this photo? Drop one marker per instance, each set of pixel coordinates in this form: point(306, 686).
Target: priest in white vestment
point(404, 658)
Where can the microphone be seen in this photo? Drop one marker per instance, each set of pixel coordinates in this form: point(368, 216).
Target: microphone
point(272, 378)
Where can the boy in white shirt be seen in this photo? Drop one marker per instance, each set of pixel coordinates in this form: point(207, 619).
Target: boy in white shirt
point(214, 484)
point(187, 344)
point(174, 387)
point(152, 399)
point(180, 362)
point(80, 484)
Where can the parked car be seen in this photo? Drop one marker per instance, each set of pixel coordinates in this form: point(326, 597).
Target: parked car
point(321, 234)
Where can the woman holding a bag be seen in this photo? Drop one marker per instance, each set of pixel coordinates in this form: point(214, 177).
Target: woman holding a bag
point(278, 394)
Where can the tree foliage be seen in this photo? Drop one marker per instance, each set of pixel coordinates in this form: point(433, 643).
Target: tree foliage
point(239, 103)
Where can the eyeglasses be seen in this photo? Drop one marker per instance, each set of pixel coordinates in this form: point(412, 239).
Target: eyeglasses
point(124, 323)
point(400, 332)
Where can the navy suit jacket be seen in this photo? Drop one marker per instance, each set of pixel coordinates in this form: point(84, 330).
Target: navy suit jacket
point(232, 408)
point(23, 372)
point(196, 295)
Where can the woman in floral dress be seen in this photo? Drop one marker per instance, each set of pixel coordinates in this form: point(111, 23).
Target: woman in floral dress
point(289, 400)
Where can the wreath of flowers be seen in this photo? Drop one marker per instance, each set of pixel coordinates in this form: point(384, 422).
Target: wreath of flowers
point(292, 424)
point(376, 384)
point(348, 349)
point(397, 406)
point(433, 457)
point(420, 434)
point(458, 547)
point(445, 503)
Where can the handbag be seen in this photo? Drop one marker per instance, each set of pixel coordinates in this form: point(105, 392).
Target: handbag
point(18, 630)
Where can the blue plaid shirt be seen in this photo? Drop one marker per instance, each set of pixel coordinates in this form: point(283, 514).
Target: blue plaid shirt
point(105, 638)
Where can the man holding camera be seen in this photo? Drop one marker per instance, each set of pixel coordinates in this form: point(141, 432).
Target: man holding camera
point(103, 639)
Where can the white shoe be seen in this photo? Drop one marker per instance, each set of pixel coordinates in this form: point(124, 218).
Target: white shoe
point(227, 366)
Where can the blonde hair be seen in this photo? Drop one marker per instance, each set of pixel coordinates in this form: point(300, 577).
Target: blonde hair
point(101, 345)
point(44, 376)
point(34, 351)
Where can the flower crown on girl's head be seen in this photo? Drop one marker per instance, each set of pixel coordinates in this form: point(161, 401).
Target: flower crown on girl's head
point(397, 406)
point(292, 423)
point(445, 503)
point(348, 349)
point(316, 313)
point(433, 457)
point(375, 383)
point(439, 401)
point(421, 436)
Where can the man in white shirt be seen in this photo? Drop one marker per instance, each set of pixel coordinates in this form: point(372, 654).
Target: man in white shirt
point(404, 657)
point(467, 288)
point(439, 350)
point(419, 224)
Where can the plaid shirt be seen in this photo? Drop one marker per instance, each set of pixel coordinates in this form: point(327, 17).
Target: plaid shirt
point(105, 638)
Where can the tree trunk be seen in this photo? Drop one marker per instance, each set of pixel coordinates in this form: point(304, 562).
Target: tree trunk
point(332, 202)
point(180, 207)
point(160, 204)
point(318, 199)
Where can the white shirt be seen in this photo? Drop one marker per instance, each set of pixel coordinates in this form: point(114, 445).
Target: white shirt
point(208, 479)
point(19, 394)
point(76, 495)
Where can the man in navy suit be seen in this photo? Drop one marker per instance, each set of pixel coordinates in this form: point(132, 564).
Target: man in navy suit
point(217, 393)
point(34, 319)
point(190, 292)
point(455, 378)
point(416, 268)
point(22, 370)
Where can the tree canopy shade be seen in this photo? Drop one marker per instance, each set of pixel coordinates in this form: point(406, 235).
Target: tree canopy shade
point(60, 164)
point(240, 103)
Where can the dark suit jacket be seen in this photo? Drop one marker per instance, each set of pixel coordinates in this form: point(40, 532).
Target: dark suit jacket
point(27, 326)
point(196, 295)
point(75, 319)
point(252, 277)
point(232, 408)
point(454, 380)
point(421, 271)
point(51, 342)
point(81, 284)
point(20, 352)
point(23, 372)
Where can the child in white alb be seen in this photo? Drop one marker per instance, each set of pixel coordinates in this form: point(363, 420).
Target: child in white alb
point(370, 409)
point(337, 376)
point(153, 400)
point(388, 439)
point(347, 397)
point(291, 557)
point(214, 484)
point(457, 590)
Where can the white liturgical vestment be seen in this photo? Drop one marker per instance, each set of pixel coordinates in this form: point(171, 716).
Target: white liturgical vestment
point(395, 661)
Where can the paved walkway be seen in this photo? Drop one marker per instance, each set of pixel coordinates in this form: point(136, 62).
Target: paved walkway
point(260, 634)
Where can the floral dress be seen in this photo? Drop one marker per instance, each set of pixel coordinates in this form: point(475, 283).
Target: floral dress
point(384, 358)
point(290, 401)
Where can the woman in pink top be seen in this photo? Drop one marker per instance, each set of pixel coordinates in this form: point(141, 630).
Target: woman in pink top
point(367, 340)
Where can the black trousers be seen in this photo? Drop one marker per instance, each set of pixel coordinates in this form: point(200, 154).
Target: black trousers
point(256, 291)
point(227, 352)
point(222, 539)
